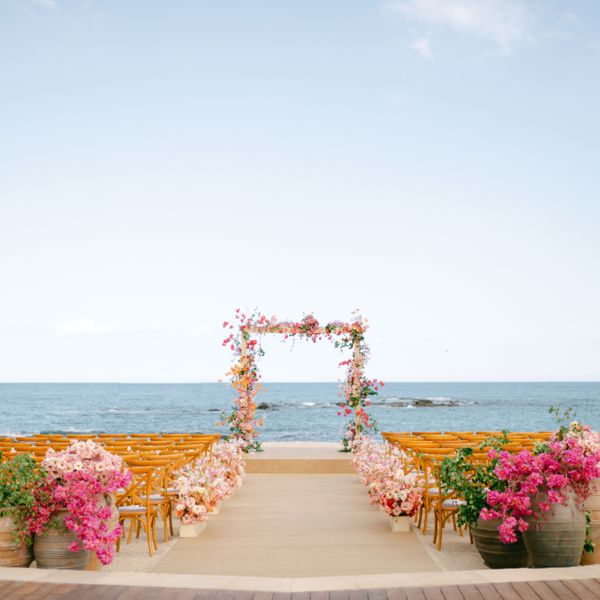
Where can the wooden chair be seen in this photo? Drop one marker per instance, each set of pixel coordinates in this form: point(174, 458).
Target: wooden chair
point(135, 505)
point(162, 494)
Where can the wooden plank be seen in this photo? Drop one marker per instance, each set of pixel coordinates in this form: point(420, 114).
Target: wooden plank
point(5, 582)
point(543, 591)
point(506, 591)
point(284, 595)
point(376, 594)
point(470, 592)
point(205, 594)
point(10, 588)
point(186, 594)
point(95, 592)
point(561, 590)
point(298, 596)
point(42, 591)
point(355, 595)
point(592, 585)
point(263, 596)
point(580, 591)
point(433, 593)
point(451, 592)
point(337, 595)
point(488, 591)
point(243, 595)
point(319, 596)
point(27, 588)
point(395, 594)
point(131, 593)
point(415, 594)
point(222, 595)
point(160, 593)
point(525, 591)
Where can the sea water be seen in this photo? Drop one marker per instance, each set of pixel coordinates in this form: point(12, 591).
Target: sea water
point(292, 411)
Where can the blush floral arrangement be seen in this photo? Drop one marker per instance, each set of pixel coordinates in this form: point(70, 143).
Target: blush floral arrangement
point(75, 482)
point(380, 469)
point(203, 486)
point(565, 466)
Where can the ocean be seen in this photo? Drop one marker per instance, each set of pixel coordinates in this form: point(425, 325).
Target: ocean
point(292, 411)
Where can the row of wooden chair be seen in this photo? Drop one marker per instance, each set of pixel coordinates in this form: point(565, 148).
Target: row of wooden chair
point(153, 459)
point(424, 451)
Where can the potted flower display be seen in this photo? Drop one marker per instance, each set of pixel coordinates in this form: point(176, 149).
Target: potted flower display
point(543, 498)
point(398, 493)
point(590, 442)
point(472, 482)
point(202, 486)
point(19, 477)
point(401, 496)
point(74, 511)
point(190, 506)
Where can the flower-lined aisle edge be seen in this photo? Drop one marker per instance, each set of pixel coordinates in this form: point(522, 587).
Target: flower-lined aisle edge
point(245, 333)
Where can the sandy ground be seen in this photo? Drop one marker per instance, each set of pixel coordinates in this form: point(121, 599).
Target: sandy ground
point(261, 532)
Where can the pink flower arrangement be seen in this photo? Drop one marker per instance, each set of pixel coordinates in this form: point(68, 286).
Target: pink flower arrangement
point(201, 487)
point(76, 480)
point(565, 465)
point(381, 470)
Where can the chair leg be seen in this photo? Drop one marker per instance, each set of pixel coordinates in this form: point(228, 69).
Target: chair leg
point(165, 525)
point(154, 532)
point(425, 519)
point(149, 539)
point(131, 526)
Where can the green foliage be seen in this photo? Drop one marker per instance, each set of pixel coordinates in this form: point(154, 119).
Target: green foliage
point(563, 417)
point(471, 482)
point(588, 545)
point(19, 477)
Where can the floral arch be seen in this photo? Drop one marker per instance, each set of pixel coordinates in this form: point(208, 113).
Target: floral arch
point(245, 333)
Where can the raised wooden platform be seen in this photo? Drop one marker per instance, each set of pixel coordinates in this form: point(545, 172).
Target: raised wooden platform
point(568, 589)
point(299, 458)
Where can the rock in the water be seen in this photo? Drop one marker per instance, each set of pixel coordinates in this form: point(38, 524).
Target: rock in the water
point(422, 402)
point(265, 406)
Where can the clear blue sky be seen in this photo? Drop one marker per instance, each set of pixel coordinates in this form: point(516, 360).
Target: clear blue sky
point(434, 162)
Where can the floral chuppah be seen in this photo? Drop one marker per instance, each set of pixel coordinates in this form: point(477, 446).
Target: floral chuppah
point(245, 378)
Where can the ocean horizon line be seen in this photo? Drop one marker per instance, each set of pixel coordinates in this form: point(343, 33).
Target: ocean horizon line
point(298, 382)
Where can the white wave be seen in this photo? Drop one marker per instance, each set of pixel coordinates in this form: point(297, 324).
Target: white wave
point(309, 404)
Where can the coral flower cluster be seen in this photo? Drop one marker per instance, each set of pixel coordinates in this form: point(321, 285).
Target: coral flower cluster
point(202, 486)
point(243, 339)
point(76, 480)
point(381, 471)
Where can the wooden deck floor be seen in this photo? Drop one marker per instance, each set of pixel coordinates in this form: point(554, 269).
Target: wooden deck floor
point(568, 589)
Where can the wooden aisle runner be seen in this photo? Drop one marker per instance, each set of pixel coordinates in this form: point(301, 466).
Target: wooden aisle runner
point(569, 589)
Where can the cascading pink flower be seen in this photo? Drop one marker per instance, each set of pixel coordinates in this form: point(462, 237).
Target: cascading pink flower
point(567, 463)
point(76, 479)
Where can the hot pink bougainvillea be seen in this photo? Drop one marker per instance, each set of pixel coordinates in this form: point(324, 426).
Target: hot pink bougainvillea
point(76, 480)
point(566, 465)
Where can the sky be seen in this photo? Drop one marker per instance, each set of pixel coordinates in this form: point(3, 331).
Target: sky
point(434, 163)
